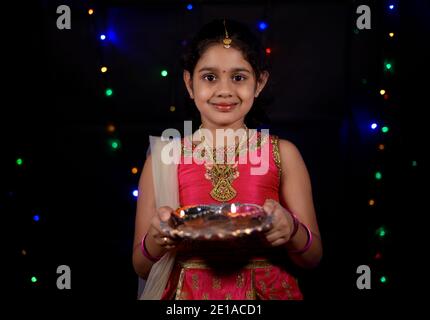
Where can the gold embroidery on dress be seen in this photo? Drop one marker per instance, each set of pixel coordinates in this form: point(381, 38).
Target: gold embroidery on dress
point(195, 278)
point(287, 288)
point(249, 295)
point(228, 296)
point(216, 283)
point(263, 286)
point(276, 154)
point(180, 284)
point(240, 280)
point(205, 296)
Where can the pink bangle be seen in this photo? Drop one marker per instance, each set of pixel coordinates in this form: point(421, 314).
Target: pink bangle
point(145, 251)
point(296, 225)
point(308, 242)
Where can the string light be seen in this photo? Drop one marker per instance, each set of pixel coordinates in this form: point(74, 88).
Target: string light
point(90, 11)
point(382, 92)
point(172, 108)
point(135, 193)
point(378, 175)
point(381, 232)
point(414, 163)
point(262, 25)
point(108, 92)
point(268, 51)
point(33, 279)
point(110, 128)
point(115, 144)
point(391, 34)
point(374, 126)
point(381, 146)
point(164, 73)
point(36, 218)
point(19, 161)
point(134, 170)
point(189, 7)
point(102, 37)
point(383, 279)
point(103, 69)
point(371, 202)
point(385, 129)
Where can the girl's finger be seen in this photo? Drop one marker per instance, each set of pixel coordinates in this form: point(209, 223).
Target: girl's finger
point(164, 213)
point(269, 206)
point(279, 242)
point(273, 236)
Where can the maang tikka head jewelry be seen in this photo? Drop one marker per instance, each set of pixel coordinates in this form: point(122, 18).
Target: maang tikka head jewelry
point(226, 40)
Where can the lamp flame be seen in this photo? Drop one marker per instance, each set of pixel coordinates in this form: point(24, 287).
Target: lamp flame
point(233, 208)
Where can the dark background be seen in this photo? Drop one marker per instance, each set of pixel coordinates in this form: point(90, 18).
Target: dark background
point(325, 80)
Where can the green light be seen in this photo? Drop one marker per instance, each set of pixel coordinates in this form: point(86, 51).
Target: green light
point(19, 161)
point(414, 163)
point(383, 279)
point(378, 175)
point(115, 144)
point(164, 73)
point(381, 232)
point(108, 92)
point(388, 66)
point(33, 279)
point(385, 129)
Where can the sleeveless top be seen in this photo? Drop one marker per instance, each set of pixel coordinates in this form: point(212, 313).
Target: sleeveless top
point(201, 271)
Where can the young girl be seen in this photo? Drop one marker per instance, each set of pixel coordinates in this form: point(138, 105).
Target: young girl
point(224, 74)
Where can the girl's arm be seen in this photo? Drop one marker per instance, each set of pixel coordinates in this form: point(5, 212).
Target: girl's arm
point(296, 192)
point(146, 210)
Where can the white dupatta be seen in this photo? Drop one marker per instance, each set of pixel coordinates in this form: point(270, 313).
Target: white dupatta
point(166, 194)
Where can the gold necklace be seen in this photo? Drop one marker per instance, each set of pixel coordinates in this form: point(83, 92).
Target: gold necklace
point(222, 175)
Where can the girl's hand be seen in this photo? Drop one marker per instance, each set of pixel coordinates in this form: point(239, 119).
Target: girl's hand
point(162, 239)
point(282, 223)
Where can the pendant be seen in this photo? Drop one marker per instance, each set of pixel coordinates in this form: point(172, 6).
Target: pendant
point(222, 177)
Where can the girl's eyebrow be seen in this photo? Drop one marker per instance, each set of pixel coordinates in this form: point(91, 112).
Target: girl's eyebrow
point(212, 69)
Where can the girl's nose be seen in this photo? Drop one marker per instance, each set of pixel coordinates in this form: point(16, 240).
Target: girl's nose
point(224, 88)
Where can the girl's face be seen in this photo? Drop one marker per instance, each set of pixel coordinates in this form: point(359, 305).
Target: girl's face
point(223, 86)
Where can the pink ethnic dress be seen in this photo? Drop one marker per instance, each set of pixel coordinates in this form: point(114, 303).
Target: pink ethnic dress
point(244, 269)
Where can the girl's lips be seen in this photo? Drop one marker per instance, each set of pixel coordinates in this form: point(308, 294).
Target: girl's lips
point(224, 106)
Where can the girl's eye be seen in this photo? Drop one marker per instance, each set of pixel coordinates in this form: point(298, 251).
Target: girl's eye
point(238, 77)
point(209, 77)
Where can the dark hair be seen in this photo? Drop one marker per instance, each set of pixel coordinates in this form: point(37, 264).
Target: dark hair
point(243, 40)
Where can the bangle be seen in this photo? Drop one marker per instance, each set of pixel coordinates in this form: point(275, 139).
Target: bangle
point(296, 225)
point(308, 242)
point(145, 251)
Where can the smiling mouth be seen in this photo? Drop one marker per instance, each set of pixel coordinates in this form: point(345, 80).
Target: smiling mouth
point(225, 106)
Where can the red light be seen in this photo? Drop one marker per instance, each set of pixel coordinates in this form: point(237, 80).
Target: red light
point(268, 51)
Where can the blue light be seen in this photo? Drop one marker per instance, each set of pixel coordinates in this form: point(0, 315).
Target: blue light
point(102, 37)
point(391, 6)
point(190, 7)
point(262, 25)
point(36, 218)
point(374, 126)
point(135, 193)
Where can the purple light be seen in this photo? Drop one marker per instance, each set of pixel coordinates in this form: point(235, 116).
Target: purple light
point(190, 7)
point(391, 6)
